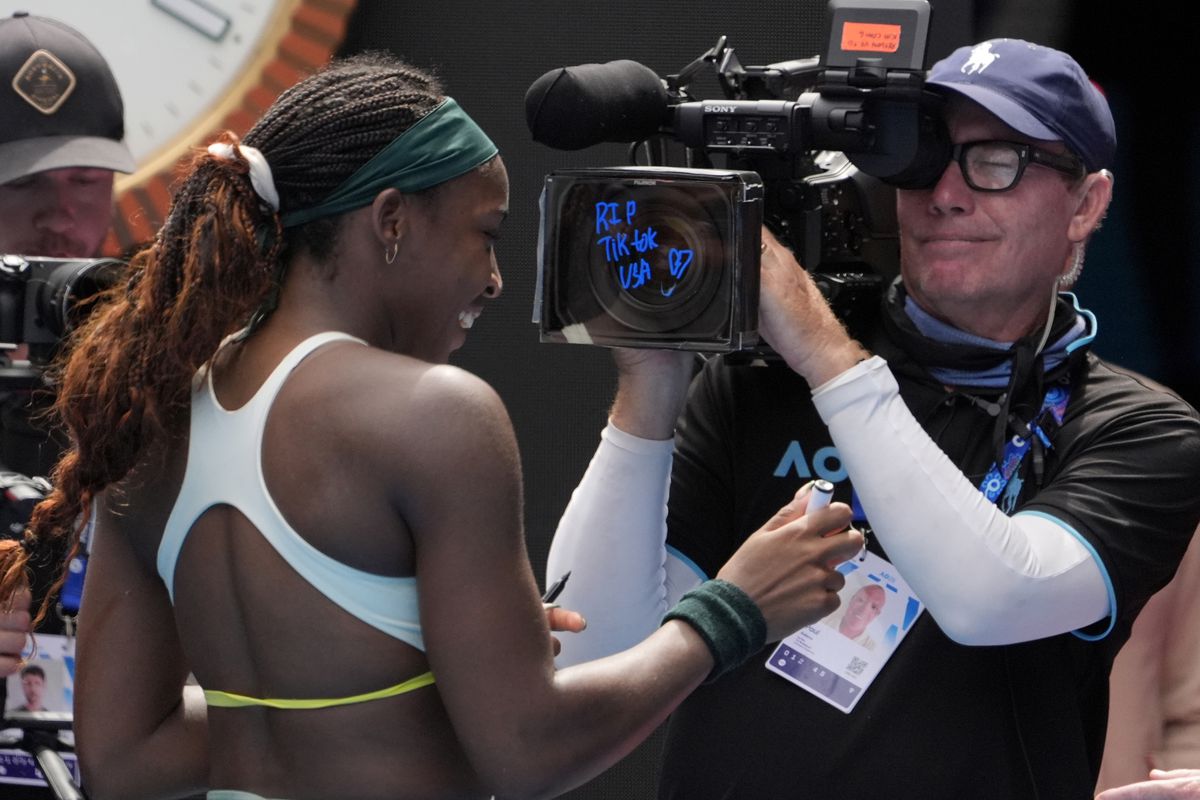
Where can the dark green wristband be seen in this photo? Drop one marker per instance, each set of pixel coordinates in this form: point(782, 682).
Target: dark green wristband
point(728, 621)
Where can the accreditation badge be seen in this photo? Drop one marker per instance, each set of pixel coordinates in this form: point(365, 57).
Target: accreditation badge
point(38, 697)
point(839, 656)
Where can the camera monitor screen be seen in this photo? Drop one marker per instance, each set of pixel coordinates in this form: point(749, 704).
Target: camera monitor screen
point(893, 31)
point(650, 257)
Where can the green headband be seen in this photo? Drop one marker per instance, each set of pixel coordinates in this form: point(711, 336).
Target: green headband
point(444, 144)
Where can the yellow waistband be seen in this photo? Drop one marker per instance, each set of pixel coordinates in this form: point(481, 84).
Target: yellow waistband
point(229, 700)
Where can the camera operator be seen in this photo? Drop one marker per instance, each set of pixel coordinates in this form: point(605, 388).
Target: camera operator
point(60, 143)
point(1032, 495)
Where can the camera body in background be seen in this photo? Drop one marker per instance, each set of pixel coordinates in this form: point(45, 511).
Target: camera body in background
point(826, 142)
point(41, 299)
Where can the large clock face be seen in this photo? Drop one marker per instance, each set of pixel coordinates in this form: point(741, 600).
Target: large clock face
point(190, 68)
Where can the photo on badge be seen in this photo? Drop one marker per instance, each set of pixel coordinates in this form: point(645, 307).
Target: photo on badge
point(837, 658)
point(46, 682)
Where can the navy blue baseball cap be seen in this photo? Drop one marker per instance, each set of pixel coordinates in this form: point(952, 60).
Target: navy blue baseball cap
point(1038, 91)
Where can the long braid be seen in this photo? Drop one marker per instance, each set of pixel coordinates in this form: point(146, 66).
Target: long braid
point(124, 378)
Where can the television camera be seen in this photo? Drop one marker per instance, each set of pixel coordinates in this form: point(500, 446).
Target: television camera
point(667, 256)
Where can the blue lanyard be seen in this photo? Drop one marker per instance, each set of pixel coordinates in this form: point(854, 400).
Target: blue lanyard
point(1002, 477)
point(71, 595)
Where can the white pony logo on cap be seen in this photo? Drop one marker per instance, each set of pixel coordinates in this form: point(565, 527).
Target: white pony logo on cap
point(981, 58)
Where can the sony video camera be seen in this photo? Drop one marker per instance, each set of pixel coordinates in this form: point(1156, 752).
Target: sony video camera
point(667, 256)
point(41, 300)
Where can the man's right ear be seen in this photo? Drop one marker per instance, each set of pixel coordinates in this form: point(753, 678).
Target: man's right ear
point(1092, 206)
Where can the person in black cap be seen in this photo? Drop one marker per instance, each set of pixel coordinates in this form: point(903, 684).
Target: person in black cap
point(61, 140)
point(1032, 495)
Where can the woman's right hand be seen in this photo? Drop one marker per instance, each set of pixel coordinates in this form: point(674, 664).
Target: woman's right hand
point(787, 566)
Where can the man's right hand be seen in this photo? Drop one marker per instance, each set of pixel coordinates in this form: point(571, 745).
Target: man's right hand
point(788, 566)
point(15, 626)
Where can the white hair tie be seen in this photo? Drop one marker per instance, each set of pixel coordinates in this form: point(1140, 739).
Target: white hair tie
point(260, 171)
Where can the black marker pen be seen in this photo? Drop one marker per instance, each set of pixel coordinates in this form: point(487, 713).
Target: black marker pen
point(556, 589)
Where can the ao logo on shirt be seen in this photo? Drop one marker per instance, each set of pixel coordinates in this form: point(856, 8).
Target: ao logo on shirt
point(826, 464)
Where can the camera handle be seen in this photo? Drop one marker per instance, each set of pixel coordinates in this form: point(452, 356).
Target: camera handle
point(677, 84)
point(40, 739)
point(54, 769)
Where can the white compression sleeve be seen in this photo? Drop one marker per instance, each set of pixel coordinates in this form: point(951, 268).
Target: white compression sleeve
point(612, 538)
point(986, 578)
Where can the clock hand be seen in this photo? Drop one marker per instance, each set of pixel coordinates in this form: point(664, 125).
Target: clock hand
point(197, 15)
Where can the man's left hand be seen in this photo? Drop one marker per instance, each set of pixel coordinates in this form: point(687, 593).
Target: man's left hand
point(797, 322)
point(1176, 784)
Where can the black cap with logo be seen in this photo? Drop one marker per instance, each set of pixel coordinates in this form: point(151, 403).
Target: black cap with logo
point(59, 103)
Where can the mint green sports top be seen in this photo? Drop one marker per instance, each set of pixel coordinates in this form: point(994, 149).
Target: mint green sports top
point(224, 467)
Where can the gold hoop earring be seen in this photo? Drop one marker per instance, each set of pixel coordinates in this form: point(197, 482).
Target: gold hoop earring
point(390, 255)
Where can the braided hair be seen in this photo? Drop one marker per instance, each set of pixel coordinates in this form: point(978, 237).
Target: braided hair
point(123, 381)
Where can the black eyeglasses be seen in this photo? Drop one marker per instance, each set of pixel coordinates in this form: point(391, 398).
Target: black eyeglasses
point(997, 166)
